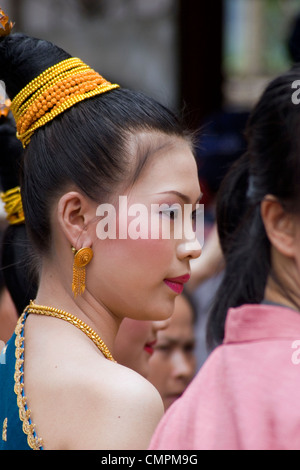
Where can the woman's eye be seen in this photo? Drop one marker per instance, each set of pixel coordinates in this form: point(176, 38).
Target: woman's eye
point(172, 213)
point(163, 348)
point(189, 348)
point(195, 217)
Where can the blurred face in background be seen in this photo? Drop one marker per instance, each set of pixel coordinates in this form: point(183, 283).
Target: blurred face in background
point(8, 316)
point(135, 341)
point(173, 363)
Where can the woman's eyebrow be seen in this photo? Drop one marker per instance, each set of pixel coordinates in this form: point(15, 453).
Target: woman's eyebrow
point(184, 197)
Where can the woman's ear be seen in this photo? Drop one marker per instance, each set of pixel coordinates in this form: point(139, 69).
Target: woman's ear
point(280, 226)
point(74, 214)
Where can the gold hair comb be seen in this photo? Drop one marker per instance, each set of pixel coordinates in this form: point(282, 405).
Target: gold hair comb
point(5, 25)
point(4, 106)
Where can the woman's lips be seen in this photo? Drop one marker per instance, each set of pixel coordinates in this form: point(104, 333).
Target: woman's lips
point(176, 283)
point(149, 347)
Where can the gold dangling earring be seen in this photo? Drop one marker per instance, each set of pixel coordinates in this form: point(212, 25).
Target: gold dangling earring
point(81, 259)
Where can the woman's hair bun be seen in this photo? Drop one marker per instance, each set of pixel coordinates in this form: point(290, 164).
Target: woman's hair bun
point(22, 58)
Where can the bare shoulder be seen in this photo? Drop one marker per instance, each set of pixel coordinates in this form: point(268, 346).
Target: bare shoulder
point(97, 404)
point(82, 400)
point(122, 407)
point(131, 388)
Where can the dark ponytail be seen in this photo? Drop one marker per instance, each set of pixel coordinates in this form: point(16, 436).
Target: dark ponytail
point(245, 247)
point(270, 166)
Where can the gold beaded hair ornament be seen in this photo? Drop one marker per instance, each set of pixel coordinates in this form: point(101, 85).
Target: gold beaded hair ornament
point(49, 94)
point(52, 92)
point(13, 206)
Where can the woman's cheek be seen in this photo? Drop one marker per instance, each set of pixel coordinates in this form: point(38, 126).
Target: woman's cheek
point(148, 234)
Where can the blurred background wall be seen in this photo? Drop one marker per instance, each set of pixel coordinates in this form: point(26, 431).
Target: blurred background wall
point(204, 55)
point(132, 42)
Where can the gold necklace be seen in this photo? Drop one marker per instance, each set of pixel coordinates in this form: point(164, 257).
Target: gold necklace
point(61, 314)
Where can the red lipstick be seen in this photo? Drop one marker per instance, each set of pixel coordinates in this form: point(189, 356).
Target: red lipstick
point(176, 283)
point(149, 347)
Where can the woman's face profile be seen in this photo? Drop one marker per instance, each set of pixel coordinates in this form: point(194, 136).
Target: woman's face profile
point(153, 240)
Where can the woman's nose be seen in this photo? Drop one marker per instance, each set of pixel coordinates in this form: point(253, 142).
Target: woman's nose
point(161, 325)
point(189, 248)
point(183, 366)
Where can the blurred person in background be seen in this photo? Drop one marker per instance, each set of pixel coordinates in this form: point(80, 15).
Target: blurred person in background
point(220, 143)
point(8, 311)
point(18, 285)
point(172, 365)
point(246, 395)
point(135, 343)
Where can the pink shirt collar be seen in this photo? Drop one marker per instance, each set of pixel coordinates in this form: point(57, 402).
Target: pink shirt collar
point(261, 321)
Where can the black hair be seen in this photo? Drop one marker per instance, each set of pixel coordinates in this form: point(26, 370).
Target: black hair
point(293, 40)
point(271, 165)
point(87, 146)
point(16, 253)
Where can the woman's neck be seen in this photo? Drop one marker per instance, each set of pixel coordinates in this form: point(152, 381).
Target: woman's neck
point(54, 291)
point(282, 294)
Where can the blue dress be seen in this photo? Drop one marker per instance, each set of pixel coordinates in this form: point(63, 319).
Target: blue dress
point(16, 429)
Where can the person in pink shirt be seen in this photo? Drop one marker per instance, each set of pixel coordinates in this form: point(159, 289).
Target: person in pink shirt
point(246, 395)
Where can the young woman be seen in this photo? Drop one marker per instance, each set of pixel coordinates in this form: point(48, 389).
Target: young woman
point(12, 292)
point(90, 145)
point(246, 394)
point(15, 250)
